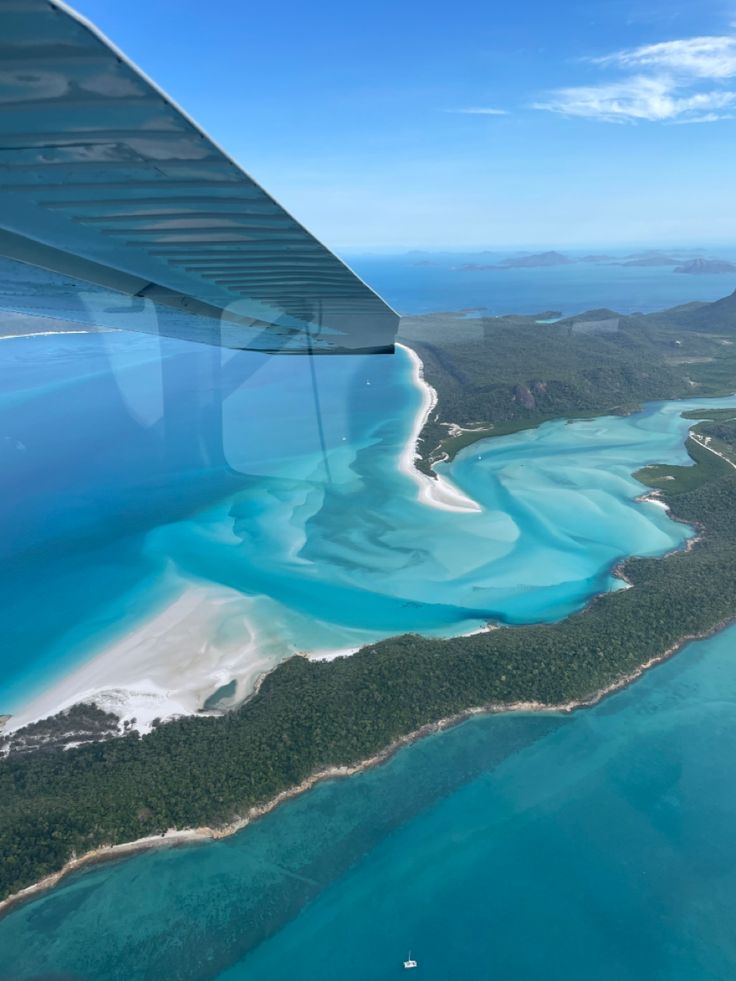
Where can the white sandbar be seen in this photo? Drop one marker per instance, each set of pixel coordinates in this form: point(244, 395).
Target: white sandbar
point(166, 666)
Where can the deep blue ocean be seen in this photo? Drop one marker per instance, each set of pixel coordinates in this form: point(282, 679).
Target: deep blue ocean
point(422, 282)
point(594, 845)
point(599, 846)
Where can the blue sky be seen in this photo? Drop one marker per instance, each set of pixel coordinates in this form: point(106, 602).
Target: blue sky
point(593, 123)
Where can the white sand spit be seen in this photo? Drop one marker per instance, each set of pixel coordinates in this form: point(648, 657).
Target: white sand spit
point(439, 492)
point(165, 666)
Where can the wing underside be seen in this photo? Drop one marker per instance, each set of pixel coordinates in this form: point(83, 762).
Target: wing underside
point(116, 210)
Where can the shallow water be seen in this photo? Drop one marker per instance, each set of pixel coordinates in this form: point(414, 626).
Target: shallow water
point(118, 506)
point(599, 845)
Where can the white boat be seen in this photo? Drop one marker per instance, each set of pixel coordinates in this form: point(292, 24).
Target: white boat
point(409, 963)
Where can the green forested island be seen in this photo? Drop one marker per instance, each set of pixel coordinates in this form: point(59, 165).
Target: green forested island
point(311, 715)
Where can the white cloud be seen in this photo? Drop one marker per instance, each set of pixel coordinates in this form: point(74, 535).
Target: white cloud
point(709, 117)
point(642, 97)
point(701, 57)
point(669, 85)
point(481, 112)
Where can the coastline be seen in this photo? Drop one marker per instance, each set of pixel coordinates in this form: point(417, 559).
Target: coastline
point(124, 677)
point(173, 837)
point(437, 492)
point(181, 836)
point(165, 666)
point(653, 496)
point(45, 333)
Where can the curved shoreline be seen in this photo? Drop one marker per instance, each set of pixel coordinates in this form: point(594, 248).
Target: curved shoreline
point(435, 491)
point(130, 693)
point(181, 836)
point(173, 837)
point(149, 687)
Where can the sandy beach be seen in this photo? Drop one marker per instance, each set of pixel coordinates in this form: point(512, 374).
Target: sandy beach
point(439, 492)
point(44, 333)
point(169, 663)
point(166, 666)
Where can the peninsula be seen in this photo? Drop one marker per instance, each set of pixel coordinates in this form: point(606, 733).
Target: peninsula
point(323, 718)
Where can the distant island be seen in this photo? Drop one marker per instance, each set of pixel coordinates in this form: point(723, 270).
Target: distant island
point(538, 260)
point(311, 719)
point(680, 262)
point(650, 259)
point(699, 267)
point(541, 259)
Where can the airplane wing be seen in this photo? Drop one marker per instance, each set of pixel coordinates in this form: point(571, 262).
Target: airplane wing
point(117, 210)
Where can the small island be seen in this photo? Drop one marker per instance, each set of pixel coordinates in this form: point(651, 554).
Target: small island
point(538, 260)
point(706, 267)
point(681, 262)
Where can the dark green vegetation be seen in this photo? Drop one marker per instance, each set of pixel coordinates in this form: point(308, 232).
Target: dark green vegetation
point(678, 480)
point(308, 715)
point(720, 434)
point(501, 374)
point(311, 715)
point(75, 726)
point(717, 415)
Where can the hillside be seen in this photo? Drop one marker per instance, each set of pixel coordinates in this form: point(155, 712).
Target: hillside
point(717, 317)
point(498, 374)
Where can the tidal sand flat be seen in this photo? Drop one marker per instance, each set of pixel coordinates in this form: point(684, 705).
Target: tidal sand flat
point(593, 845)
point(169, 664)
point(313, 519)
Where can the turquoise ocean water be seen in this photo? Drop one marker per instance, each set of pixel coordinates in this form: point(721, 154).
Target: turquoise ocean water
point(119, 506)
point(594, 845)
point(600, 845)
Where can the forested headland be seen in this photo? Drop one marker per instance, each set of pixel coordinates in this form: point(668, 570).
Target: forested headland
point(495, 375)
point(311, 715)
